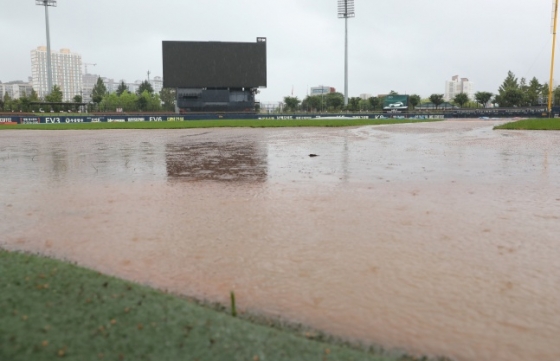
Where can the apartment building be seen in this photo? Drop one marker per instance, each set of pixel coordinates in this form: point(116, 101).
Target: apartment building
point(15, 89)
point(66, 72)
point(456, 86)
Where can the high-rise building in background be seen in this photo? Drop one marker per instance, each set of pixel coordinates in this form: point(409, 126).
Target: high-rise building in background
point(157, 84)
point(88, 83)
point(66, 70)
point(457, 86)
point(15, 89)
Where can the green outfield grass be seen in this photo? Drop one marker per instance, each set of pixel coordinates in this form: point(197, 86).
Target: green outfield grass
point(52, 310)
point(249, 123)
point(532, 124)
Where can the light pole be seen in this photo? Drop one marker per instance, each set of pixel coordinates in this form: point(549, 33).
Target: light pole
point(46, 4)
point(345, 11)
point(550, 85)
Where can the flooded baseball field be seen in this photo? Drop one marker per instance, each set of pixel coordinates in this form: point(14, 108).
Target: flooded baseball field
point(437, 238)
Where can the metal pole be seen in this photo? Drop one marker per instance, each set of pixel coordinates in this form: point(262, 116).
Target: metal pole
point(346, 62)
point(550, 93)
point(49, 66)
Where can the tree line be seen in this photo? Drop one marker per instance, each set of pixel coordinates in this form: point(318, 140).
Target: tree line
point(513, 92)
point(144, 99)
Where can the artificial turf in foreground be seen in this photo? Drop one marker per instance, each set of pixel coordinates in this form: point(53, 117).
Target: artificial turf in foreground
point(218, 123)
point(532, 124)
point(51, 310)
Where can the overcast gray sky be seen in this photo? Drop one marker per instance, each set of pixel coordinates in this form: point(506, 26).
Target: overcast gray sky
point(410, 46)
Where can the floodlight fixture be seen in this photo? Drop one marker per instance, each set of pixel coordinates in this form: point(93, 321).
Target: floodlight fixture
point(46, 4)
point(345, 11)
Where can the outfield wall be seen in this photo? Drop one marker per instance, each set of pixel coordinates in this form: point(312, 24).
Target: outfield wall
point(468, 113)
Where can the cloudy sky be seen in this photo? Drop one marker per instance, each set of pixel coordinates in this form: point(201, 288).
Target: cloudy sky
point(409, 46)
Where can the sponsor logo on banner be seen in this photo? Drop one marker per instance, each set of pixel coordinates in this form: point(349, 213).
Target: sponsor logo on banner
point(29, 120)
point(175, 119)
point(52, 120)
point(96, 120)
point(116, 120)
point(136, 119)
point(74, 120)
point(6, 120)
point(156, 119)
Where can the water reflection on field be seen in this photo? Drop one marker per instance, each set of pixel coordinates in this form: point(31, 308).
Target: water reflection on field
point(441, 238)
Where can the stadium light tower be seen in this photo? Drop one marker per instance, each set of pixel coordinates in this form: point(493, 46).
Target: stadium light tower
point(345, 11)
point(553, 30)
point(46, 4)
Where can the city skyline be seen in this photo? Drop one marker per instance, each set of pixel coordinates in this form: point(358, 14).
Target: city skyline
point(413, 50)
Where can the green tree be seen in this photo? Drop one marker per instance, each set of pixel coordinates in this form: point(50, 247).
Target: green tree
point(556, 99)
point(128, 101)
point(334, 101)
point(544, 90)
point(534, 92)
point(24, 103)
point(7, 102)
point(292, 103)
point(145, 86)
point(168, 97)
point(154, 101)
point(461, 99)
point(511, 98)
point(365, 105)
point(16, 105)
point(524, 89)
point(110, 102)
point(99, 91)
point(76, 99)
point(354, 104)
point(510, 93)
point(34, 98)
point(122, 88)
point(374, 102)
point(414, 100)
point(483, 98)
point(510, 82)
point(142, 103)
point(436, 99)
point(311, 103)
point(55, 96)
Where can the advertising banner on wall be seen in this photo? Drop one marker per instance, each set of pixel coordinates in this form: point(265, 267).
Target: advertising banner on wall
point(395, 102)
point(5, 120)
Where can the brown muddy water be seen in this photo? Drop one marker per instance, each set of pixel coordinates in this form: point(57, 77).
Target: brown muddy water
point(437, 238)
